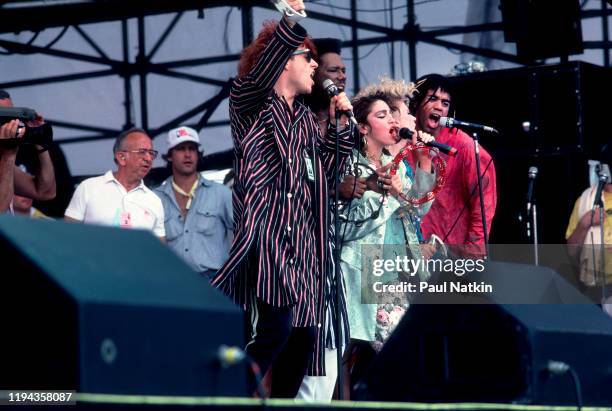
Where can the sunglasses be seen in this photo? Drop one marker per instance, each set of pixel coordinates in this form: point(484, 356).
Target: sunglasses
point(306, 52)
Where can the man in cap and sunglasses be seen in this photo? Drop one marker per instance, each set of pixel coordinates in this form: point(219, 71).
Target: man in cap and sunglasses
point(120, 198)
point(199, 222)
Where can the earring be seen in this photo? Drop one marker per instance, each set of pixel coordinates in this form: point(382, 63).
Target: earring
point(364, 145)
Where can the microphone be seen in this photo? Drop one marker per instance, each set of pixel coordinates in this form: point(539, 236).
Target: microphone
point(533, 172)
point(451, 122)
point(229, 355)
point(603, 178)
point(332, 90)
point(406, 134)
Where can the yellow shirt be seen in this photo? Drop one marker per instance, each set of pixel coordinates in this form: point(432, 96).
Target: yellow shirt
point(573, 223)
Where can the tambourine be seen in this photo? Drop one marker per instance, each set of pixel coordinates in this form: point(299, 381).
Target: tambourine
point(439, 167)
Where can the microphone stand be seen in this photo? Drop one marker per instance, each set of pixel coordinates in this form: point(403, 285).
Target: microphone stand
point(534, 220)
point(482, 206)
point(337, 272)
point(602, 266)
point(603, 252)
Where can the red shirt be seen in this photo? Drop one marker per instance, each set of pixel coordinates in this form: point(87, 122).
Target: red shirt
point(455, 214)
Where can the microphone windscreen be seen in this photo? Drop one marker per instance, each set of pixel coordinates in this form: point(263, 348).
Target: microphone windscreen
point(405, 133)
point(533, 171)
point(330, 88)
point(446, 122)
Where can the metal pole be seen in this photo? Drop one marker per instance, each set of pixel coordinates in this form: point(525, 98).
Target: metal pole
point(356, 84)
point(482, 206)
point(338, 273)
point(392, 54)
point(127, 77)
point(602, 266)
point(412, 41)
point(141, 61)
point(247, 25)
point(605, 32)
point(534, 216)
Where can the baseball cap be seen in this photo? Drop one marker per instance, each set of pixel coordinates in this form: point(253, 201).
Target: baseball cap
point(180, 135)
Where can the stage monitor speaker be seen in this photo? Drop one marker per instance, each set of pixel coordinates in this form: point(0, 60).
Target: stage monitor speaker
point(543, 29)
point(105, 310)
point(549, 117)
point(496, 352)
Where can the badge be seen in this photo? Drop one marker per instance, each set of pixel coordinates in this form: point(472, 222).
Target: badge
point(125, 219)
point(309, 167)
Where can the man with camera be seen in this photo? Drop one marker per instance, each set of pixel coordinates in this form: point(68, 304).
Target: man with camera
point(12, 179)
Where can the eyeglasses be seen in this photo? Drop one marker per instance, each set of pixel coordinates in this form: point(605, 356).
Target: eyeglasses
point(306, 52)
point(143, 152)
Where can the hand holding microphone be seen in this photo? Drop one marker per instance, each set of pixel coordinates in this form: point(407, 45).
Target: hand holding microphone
point(339, 102)
point(407, 134)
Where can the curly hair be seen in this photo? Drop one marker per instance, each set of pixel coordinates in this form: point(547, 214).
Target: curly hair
point(428, 82)
point(393, 89)
point(251, 53)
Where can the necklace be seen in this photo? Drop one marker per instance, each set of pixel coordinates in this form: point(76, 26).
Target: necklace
point(372, 158)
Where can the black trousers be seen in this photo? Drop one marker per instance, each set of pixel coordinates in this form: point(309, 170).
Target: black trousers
point(275, 343)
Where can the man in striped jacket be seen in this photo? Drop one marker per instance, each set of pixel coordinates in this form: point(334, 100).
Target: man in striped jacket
point(283, 165)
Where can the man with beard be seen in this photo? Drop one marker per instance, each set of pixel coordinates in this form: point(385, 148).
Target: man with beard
point(198, 212)
point(120, 198)
point(455, 216)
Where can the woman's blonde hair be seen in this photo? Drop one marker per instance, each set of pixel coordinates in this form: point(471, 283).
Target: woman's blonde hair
point(392, 89)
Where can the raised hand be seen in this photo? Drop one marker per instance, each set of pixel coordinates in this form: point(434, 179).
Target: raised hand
point(420, 157)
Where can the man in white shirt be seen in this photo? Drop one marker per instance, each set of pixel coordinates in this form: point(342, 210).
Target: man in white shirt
point(120, 198)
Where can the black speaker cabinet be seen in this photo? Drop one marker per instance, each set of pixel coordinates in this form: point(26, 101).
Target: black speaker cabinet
point(497, 352)
point(104, 310)
point(549, 117)
point(541, 31)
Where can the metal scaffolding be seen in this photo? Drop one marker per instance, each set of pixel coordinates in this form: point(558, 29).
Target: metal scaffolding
point(17, 16)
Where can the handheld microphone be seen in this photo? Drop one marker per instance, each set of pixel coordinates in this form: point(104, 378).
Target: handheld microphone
point(451, 122)
point(603, 178)
point(229, 355)
point(533, 172)
point(332, 90)
point(406, 134)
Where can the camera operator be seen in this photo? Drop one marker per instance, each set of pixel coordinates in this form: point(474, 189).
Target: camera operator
point(12, 179)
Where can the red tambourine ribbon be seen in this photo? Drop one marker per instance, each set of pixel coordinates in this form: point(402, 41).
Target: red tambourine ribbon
point(439, 166)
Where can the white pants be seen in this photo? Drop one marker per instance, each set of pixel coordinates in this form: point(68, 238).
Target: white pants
point(321, 388)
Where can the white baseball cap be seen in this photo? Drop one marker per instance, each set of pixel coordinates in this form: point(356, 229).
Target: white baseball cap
point(180, 135)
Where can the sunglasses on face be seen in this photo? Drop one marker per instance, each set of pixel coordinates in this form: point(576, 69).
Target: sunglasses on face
point(306, 52)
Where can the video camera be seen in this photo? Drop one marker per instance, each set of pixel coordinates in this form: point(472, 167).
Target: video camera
point(41, 135)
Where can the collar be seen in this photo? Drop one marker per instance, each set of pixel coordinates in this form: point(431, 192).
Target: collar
point(108, 177)
point(166, 186)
